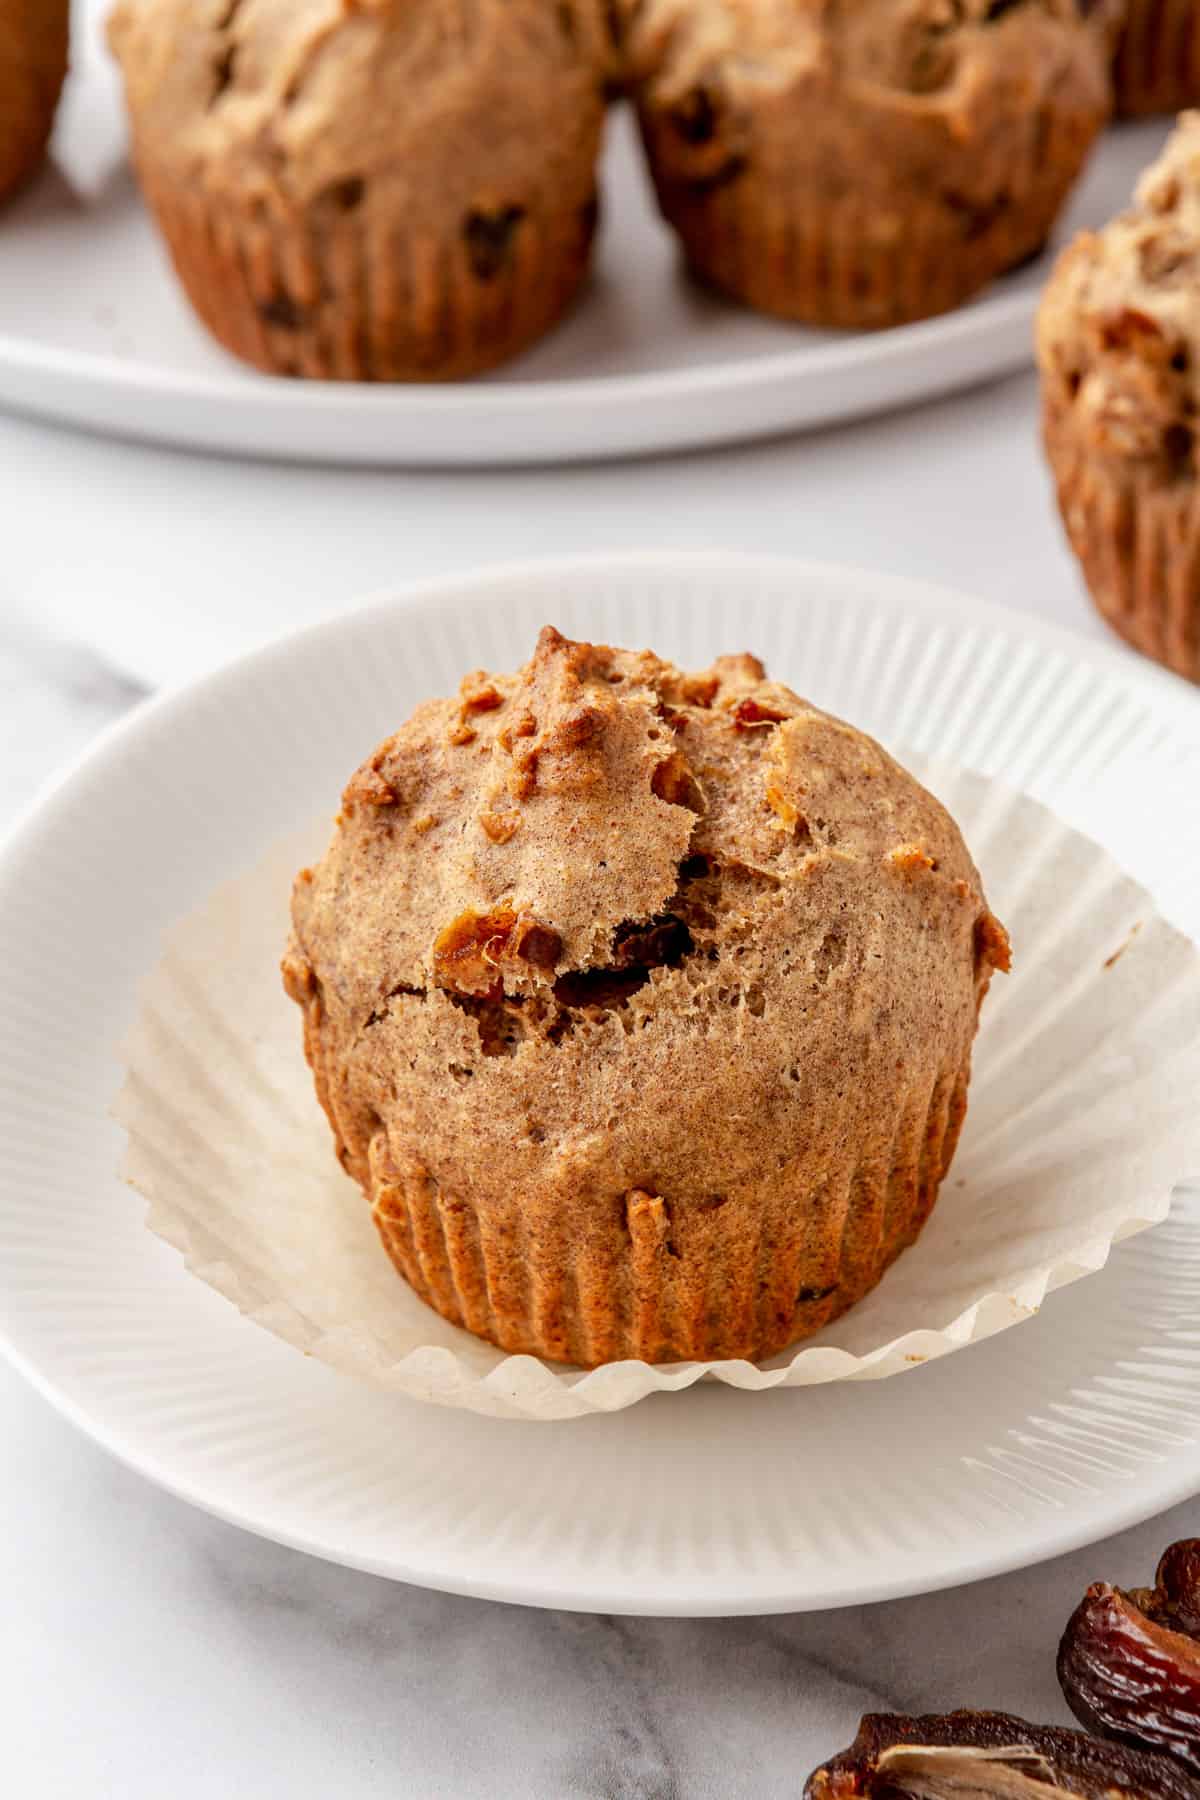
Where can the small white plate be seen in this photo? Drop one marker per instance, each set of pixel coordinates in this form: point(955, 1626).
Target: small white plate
point(713, 1501)
point(94, 331)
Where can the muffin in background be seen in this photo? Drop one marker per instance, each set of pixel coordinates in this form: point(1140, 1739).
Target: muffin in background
point(641, 1005)
point(33, 65)
point(1157, 69)
point(865, 165)
point(395, 190)
point(1119, 353)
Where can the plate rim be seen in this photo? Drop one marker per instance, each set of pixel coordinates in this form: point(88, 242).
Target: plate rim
point(989, 313)
point(1109, 652)
point(703, 407)
point(1076, 1533)
point(1057, 1535)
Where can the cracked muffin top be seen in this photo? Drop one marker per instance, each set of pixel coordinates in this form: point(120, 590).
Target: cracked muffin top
point(897, 48)
point(1119, 331)
point(306, 99)
point(606, 920)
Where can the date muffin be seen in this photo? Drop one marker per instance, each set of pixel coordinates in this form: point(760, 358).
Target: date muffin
point(372, 190)
point(641, 1005)
point(871, 164)
point(1119, 353)
point(1158, 61)
point(33, 64)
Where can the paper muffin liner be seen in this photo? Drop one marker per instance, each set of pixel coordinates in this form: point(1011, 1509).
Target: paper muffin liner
point(784, 249)
point(1138, 546)
point(1082, 1119)
point(33, 66)
point(333, 293)
point(1157, 68)
point(655, 1299)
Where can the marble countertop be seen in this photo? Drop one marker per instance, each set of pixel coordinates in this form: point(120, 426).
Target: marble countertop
point(149, 1650)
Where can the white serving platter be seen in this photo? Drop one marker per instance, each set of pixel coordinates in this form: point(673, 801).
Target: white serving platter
point(95, 332)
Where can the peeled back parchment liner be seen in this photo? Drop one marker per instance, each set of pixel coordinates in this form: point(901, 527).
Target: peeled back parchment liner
point(1084, 1114)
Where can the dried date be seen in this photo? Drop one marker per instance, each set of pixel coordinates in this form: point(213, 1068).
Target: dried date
point(978, 1755)
point(1129, 1661)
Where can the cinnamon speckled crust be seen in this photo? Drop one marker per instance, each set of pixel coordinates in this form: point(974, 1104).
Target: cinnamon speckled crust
point(1158, 63)
point(641, 1005)
point(1119, 353)
point(33, 63)
point(870, 164)
point(383, 190)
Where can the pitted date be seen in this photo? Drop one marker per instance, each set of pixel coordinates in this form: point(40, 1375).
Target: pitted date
point(977, 1755)
point(1129, 1661)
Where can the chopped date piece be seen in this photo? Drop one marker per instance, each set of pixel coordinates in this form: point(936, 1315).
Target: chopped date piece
point(699, 690)
point(660, 942)
point(978, 1755)
point(992, 943)
point(485, 697)
point(749, 714)
point(1175, 1596)
point(467, 953)
point(1129, 1662)
point(490, 238)
point(638, 948)
point(911, 859)
point(536, 944)
point(695, 117)
point(500, 827)
point(674, 782)
point(599, 990)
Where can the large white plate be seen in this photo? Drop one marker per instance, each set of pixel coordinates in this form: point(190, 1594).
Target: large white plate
point(1083, 1420)
point(94, 331)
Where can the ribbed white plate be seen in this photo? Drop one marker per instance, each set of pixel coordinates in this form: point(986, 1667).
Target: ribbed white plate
point(710, 1501)
point(94, 331)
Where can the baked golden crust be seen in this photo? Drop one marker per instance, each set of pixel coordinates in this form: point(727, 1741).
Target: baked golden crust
point(370, 189)
point(641, 1005)
point(1158, 62)
point(1119, 354)
point(33, 64)
point(864, 165)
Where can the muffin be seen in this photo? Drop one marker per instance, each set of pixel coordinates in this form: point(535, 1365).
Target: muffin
point(641, 1005)
point(1119, 353)
point(1158, 62)
point(864, 165)
point(370, 190)
point(33, 64)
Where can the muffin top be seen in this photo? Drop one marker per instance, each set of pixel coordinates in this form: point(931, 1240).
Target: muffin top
point(605, 903)
point(944, 51)
point(298, 100)
point(1119, 329)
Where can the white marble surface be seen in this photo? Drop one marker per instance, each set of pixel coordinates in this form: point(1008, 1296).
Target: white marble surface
point(146, 1650)
point(173, 561)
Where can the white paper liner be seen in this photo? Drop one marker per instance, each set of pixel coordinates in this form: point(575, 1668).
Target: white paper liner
point(1084, 1114)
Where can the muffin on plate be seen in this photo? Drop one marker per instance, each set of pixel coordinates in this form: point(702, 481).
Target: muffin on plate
point(372, 190)
point(33, 64)
point(864, 165)
point(1158, 60)
point(1119, 352)
point(641, 1005)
